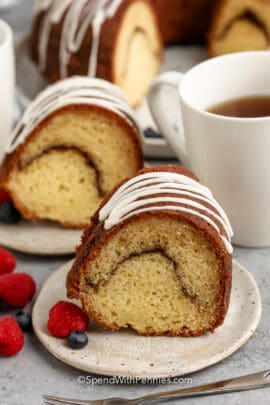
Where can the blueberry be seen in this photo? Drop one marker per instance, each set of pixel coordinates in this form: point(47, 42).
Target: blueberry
point(77, 340)
point(151, 133)
point(24, 320)
point(8, 213)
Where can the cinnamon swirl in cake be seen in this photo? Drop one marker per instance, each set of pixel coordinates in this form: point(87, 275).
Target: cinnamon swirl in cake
point(156, 257)
point(74, 143)
point(239, 25)
point(116, 40)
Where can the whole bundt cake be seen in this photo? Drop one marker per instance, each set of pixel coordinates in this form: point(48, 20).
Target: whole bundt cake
point(116, 40)
point(74, 143)
point(156, 257)
point(122, 40)
point(240, 25)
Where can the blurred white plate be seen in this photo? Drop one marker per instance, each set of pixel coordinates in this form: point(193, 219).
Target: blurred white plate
point(180, 58)
point(125, 353)
point(39, 238)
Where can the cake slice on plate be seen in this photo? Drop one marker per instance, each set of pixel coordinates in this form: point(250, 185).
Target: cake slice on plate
point(74, 143)
point(156, 257)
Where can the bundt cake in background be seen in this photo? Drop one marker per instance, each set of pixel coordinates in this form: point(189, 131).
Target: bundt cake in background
point(156, 257)
point(74, 143)
point(240, 25)
point(122, 40)
point(184, 21)
point(116, 40)
point(227, 25)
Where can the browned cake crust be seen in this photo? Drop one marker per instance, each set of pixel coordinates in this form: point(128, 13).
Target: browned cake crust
point(78, 64)
point(184, 21)
point(95, 237)
point(12, 161)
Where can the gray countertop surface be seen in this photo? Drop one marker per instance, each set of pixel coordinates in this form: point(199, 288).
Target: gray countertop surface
point(25, 377)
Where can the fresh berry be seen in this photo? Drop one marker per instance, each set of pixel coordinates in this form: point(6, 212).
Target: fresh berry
point(11, 336)
point(77, 340)
point(17, 289)
point(65, 317)
point(4, 196)
point(7, 261)
point(24, 320)
point(8, 213)
point(151, 133)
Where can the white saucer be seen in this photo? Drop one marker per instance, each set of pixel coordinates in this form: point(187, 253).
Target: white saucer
point(125, 353)
point(180, 58)
point(39, 238)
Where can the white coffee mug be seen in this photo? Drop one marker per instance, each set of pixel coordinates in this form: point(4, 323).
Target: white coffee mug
point(7, 84)
point(230, 155)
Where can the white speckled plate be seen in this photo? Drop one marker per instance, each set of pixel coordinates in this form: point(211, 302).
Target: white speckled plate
point(125, 353)
point(39, 238)
point(181, 58)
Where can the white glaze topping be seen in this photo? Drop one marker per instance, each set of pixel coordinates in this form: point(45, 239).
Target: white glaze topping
point(78, 15)
point(75, 90)
point(137, 194)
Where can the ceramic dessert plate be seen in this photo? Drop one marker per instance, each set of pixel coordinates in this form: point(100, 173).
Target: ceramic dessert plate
point(125, 353)
point(39, 238)
point(180, 58)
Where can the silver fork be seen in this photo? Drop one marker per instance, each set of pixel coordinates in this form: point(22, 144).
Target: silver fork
point(247, 382)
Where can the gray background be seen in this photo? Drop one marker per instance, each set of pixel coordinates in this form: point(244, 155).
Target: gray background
point(25, 377)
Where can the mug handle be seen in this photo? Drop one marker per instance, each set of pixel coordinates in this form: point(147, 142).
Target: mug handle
point(172, 131)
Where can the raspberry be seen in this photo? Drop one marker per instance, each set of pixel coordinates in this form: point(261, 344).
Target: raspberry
point(4, 196)
point(17, 289)
point(11, 336)
point(65, 317)
point(7, 261)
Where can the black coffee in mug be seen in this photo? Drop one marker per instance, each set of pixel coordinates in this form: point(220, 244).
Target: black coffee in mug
point(244, 107)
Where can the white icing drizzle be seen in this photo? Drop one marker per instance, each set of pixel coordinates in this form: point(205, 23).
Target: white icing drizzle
point(139, 194)
point(78, 16)
point(75, 90)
